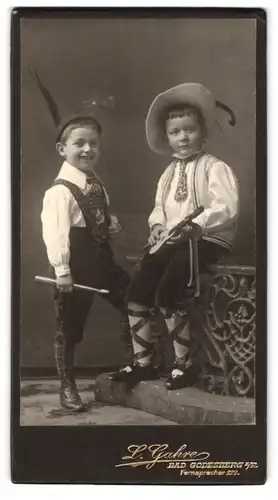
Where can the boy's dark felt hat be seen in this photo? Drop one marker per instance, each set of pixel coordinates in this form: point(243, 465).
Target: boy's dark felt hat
point(75, 118)
point(194, 94)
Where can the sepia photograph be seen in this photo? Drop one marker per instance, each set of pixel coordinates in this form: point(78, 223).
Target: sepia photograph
point(138, 158)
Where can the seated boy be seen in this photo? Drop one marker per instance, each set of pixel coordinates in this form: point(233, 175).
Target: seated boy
point(179, 121)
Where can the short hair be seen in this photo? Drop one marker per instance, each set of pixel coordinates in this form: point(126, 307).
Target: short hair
point(74, 122)
point(180, 110)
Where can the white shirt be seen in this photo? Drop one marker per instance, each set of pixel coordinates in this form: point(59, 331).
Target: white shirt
point(61, 212)
point(173, 210)
point(217, 189)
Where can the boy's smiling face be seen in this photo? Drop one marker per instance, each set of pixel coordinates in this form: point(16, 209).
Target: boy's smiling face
point(81, 148)
point(185, 134)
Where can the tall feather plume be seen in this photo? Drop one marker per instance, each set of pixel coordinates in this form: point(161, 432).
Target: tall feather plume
point(228, 110)
point(51, 104)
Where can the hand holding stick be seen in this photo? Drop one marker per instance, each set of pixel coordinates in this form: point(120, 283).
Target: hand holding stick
point(50, 281)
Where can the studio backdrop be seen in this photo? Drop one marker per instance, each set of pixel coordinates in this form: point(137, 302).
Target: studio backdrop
point(117, 68)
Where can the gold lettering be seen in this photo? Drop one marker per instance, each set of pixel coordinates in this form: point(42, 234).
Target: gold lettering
point(171, 465)
point(158, 449)
point(135, 450)
point(178, 453)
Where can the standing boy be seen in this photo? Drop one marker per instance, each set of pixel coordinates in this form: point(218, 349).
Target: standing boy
point(76, 228)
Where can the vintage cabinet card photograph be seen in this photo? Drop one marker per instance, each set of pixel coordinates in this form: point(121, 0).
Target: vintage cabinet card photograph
point(139, 246)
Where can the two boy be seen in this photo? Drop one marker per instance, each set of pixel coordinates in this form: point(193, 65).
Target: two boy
point(179, 121)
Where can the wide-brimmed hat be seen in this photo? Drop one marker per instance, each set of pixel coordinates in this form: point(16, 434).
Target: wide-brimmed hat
point(194, 94)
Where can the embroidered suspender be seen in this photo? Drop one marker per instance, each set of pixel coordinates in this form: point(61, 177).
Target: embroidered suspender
point(83, 204)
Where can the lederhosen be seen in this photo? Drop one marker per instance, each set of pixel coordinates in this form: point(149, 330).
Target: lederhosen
point(91, 263)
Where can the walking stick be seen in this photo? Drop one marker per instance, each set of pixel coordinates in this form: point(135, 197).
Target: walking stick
point(50, 281)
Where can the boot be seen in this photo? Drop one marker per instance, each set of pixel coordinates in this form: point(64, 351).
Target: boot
point(69, 396)
point(64, 358)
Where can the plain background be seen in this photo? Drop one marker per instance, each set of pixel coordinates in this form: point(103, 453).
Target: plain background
point(122, 64)
point(9, 490)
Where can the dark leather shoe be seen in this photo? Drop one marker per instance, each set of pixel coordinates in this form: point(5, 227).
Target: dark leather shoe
point(70, 399)
point(186, 379)
point(134, 373)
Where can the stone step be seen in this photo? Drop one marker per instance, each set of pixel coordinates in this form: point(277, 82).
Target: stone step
point(40, 406)
point(187, 406)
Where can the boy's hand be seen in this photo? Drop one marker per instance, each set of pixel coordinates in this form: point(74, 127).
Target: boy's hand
point(65, 283)
point(155, 234)
point(114, 227)
point(186, 232)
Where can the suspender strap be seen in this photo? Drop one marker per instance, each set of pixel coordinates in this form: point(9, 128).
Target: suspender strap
point(82, 202)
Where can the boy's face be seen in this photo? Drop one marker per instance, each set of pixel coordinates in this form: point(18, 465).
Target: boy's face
point(81, 148)
point(185, 134)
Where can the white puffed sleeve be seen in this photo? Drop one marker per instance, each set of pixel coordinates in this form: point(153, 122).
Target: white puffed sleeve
point(56, 225)
point(223, 192)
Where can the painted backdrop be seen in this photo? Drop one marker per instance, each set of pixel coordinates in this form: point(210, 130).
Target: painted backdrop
point(121, 65)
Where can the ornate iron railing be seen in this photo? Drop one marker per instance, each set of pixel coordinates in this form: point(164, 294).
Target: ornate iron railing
point(224, 320)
